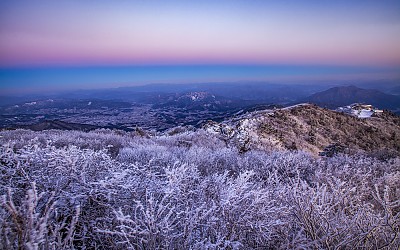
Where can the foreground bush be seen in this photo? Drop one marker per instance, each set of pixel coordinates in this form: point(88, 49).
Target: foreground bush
point(160, 193)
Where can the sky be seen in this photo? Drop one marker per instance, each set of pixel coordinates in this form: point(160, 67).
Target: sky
point(82, 43)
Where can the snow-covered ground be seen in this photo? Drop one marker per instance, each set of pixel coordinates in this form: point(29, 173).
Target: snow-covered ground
point(358, 110)
point(364, 113)
point(295, 106)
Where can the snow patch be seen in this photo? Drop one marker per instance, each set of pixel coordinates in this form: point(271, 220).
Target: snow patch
point(365, 113)
point(295, 106)
point(359, 110)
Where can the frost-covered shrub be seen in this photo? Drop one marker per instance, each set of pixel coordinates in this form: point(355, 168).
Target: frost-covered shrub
point(152, 154)
point(198, 138)
point(285, 165)
point(332, 215)
point(96, 140)
point(66, 190)
point(35, 221)
point(192, 211)
point(216, 161)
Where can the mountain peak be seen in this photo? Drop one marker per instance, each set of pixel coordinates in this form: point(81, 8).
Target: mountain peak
point(346, 95)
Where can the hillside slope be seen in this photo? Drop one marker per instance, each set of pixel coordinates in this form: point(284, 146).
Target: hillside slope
point(310, 128)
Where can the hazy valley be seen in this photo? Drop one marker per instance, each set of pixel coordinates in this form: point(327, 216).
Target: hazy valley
point(153, 108)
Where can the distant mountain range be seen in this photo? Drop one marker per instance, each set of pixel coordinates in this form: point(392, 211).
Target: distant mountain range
point(346, 95)
point(326, 94)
